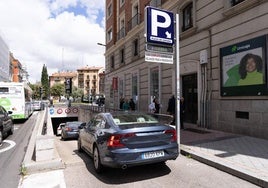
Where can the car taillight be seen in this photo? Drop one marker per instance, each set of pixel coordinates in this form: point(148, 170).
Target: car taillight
point(68, 129)
point(116, 140)
point(174, 134)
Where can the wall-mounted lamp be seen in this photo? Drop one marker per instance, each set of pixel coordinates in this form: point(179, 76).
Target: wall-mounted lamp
point(101, 44)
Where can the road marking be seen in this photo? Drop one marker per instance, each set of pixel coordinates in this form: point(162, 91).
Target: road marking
point(11, 145)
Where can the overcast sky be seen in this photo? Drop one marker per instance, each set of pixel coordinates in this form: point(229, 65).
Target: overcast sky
point(62, 34)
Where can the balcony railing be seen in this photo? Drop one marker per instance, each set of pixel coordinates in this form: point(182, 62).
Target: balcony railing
point(135, 20)
point(121, 33)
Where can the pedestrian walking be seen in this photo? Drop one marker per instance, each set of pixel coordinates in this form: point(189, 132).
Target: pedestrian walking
point(126, 105)
point(182, 111)
point(132, 105)
point(172, 109)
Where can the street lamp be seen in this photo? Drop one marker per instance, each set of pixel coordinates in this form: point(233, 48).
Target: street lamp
point(101, 44)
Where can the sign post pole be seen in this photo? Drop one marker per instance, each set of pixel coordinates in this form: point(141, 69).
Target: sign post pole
point(178, 125)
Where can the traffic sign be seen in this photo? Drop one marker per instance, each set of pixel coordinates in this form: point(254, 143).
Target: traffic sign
point(159, 26)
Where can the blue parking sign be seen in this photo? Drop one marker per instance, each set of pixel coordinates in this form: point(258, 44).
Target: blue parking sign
point(51, 111)
point(159, 26)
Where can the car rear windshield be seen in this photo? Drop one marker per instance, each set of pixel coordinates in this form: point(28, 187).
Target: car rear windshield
point(73, 125)
point(123, 119)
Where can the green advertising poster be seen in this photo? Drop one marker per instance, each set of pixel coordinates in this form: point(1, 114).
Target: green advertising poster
point(243, 68)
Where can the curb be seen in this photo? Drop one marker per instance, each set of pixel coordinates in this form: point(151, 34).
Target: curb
point(224, 166)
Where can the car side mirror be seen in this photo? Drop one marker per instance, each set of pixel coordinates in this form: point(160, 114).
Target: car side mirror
point(82, 126)
point(9, 112)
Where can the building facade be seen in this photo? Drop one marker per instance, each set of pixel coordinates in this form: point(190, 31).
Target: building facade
point(60, 78)
point(4, 61)
point(214, 37)
point(89, 79)
point(17, 71)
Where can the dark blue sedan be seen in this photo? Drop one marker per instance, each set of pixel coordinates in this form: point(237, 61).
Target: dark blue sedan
point(70, 130)
point(125, 139)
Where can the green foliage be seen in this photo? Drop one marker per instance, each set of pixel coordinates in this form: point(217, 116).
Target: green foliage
point(23, 170)
point(45, 82)
point(57, 90)
point(76, 92)
point(36, 91)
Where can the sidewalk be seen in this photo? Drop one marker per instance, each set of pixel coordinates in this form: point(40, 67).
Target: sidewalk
point(243, 156)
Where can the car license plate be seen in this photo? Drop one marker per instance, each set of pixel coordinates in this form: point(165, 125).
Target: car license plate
point(153, 154)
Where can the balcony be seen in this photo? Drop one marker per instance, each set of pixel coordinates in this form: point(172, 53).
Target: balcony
point(121, 33)
point(135, 20)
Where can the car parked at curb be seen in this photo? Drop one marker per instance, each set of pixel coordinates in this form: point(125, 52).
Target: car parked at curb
point(6, 123)
point(37, 105)
point(59, 129)
point(126, 139)
point(70, 130)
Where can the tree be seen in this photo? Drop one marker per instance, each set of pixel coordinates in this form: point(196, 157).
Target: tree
point(57, 90)
point(36, 91)
point(45, 82)
point(77, 92)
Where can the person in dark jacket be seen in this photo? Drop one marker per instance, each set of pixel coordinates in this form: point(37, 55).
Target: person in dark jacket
point(182, 110)
point(172, 108)
point(132, 105)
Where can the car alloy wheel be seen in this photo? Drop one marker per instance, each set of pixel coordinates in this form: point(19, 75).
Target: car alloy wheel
point(96, 160)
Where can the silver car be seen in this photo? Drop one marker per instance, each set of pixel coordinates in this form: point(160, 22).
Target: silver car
point(59, 129)
point(126, 139)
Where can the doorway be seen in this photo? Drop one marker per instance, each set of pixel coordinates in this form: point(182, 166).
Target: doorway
point(189, 92)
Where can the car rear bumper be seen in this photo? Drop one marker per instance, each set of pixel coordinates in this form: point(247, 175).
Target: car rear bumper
point(71, 135)
point(123, 158)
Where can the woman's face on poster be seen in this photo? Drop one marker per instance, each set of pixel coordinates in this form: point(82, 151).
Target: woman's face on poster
point(251, 65)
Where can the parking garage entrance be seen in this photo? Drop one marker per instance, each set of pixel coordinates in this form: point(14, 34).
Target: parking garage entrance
point(62, 114)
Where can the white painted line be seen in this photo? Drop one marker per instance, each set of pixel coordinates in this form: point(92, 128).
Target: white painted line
point(11, 145)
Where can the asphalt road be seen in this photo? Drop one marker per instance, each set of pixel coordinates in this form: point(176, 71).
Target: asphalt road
point(12, 153)
point(183, 172)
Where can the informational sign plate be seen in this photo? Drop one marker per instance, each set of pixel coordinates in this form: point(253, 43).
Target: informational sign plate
point(158, 57)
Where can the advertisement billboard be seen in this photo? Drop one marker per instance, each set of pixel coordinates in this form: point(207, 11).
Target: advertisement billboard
point(244, 68)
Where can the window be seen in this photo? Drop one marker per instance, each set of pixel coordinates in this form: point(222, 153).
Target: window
point(112, 62)
point(121, 32)
point(109, 11)
point(121, 87)
point(122, 56)
point(135, 17)
point(134, 87)
point(110, 35)
point(154, 83)
point(187, 17)
point(235, 2)
point(122, 2)
point(155, 3)
point(135, 47)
